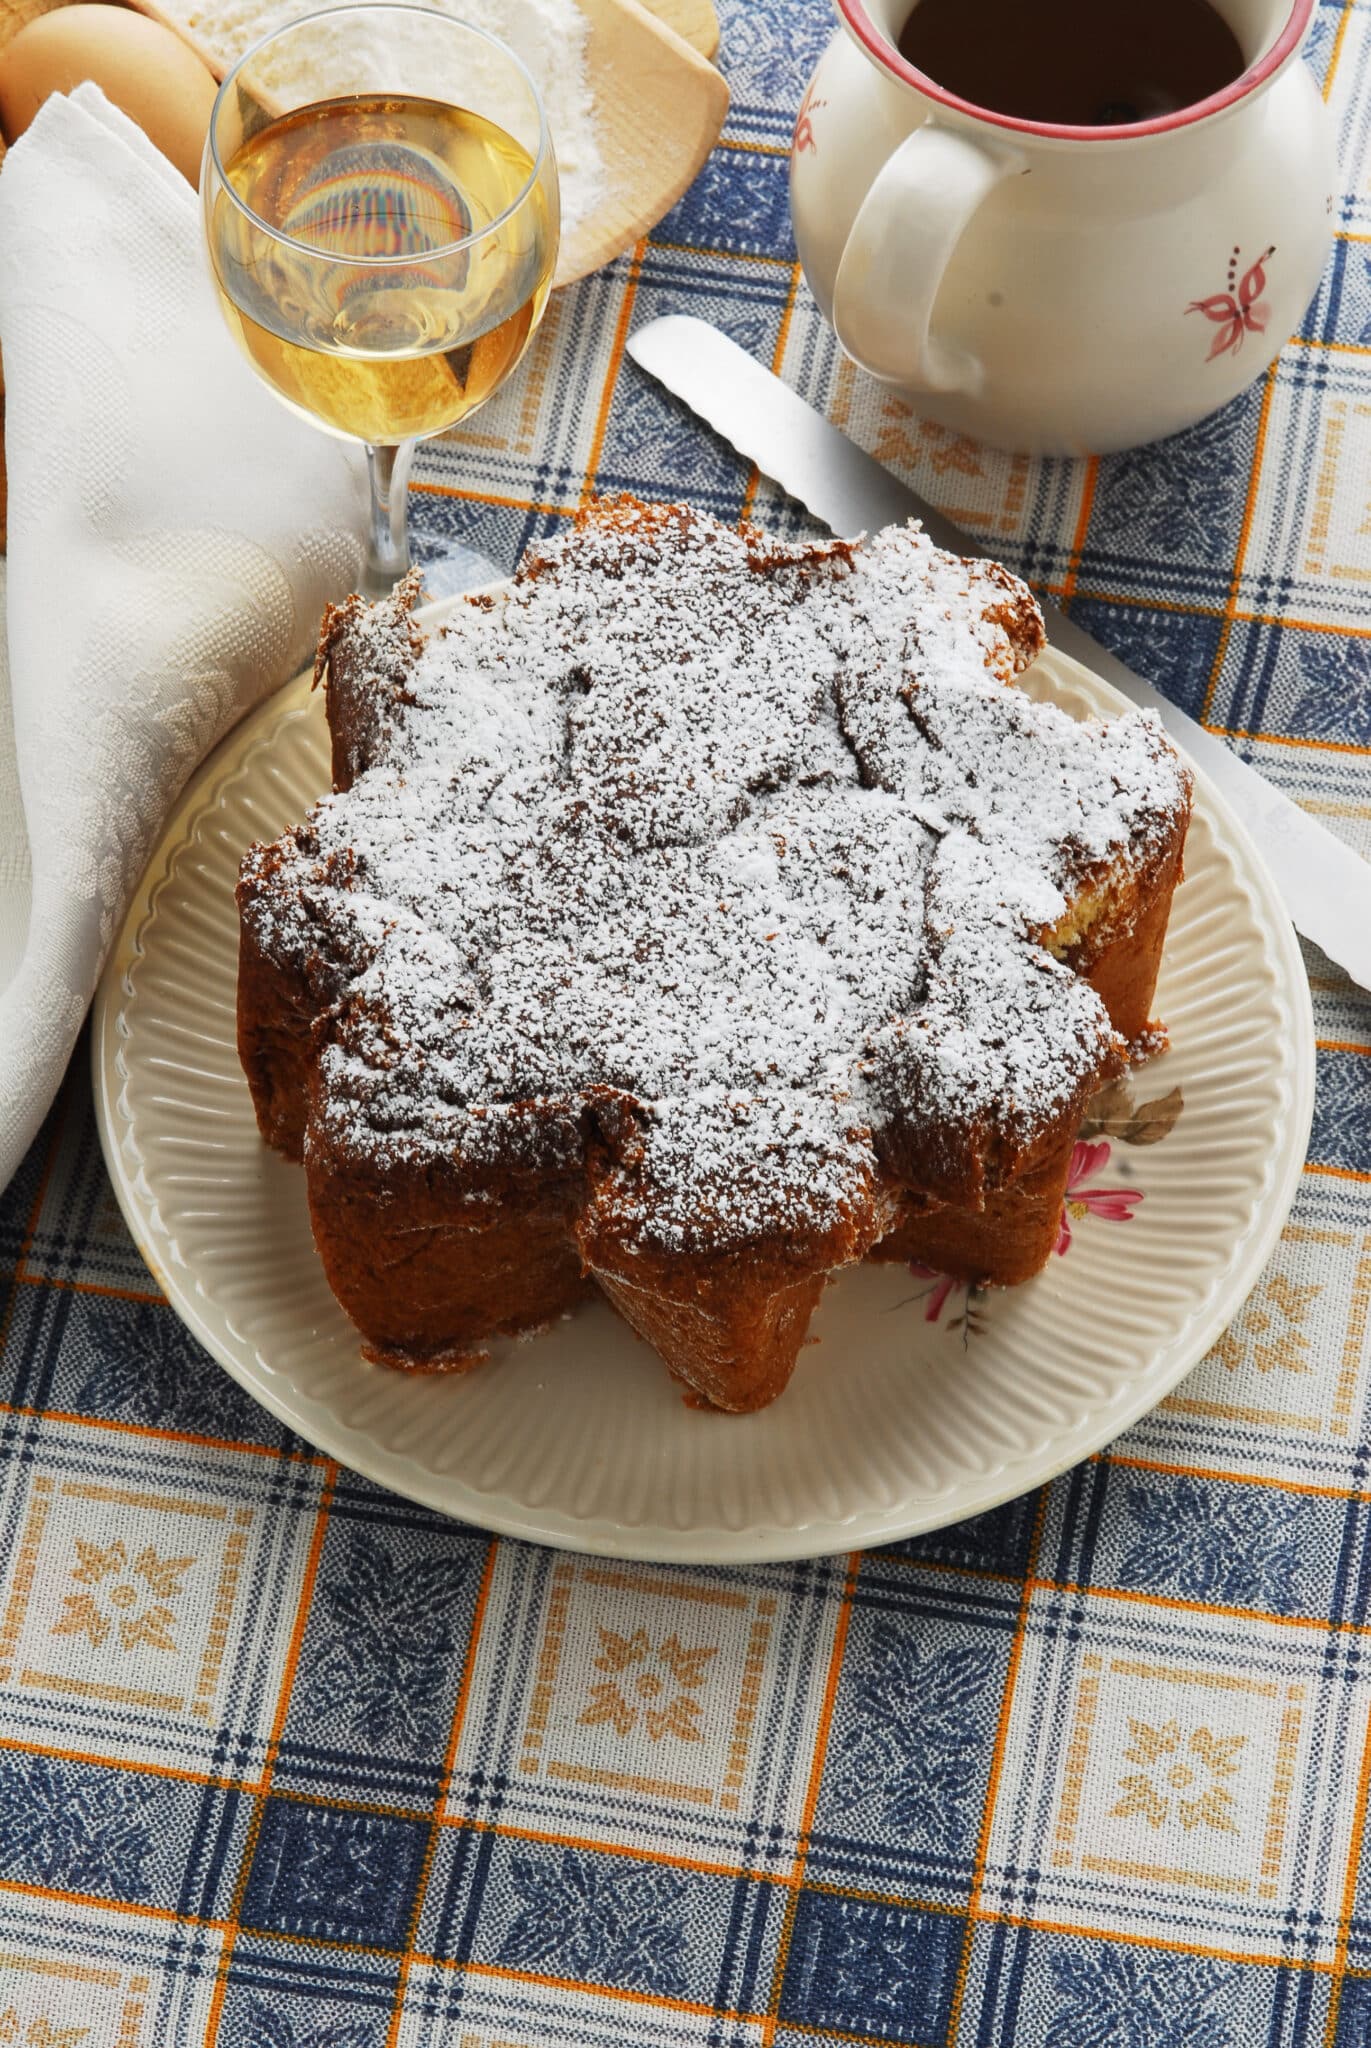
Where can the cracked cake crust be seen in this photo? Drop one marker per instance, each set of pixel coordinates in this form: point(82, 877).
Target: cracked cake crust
point(704, 913)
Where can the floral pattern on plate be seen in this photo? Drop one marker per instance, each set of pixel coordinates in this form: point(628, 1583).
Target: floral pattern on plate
point(1114, 1116)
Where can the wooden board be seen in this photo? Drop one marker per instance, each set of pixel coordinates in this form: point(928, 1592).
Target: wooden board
point(693, 20)
point(661, 108)
point(660, 105)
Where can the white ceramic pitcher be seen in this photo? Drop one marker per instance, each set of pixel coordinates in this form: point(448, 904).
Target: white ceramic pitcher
point(1053, 289)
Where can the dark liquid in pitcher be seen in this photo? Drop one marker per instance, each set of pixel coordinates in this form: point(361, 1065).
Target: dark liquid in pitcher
point(1089, 63)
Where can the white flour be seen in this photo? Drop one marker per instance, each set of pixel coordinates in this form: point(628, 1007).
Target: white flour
point(549, 35)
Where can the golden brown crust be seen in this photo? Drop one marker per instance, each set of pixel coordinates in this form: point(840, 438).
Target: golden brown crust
point(430, 1268)
point(432, 1253)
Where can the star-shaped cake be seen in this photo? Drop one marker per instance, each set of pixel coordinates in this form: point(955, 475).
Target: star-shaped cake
point(696, 917)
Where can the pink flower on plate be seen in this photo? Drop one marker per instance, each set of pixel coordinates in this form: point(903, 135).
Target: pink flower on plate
point(943, 1285)
point(1116, 1205)
point(943, 1290)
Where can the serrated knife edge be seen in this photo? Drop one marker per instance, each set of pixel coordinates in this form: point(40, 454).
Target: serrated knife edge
point(1324, 884)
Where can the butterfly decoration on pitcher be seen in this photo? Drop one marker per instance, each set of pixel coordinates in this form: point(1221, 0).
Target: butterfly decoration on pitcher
point(1236, 314)
point(803, 138)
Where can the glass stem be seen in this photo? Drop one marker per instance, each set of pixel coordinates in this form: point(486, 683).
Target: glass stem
point(388, 541)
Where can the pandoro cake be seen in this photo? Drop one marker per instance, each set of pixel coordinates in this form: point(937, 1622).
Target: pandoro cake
point(700, 916)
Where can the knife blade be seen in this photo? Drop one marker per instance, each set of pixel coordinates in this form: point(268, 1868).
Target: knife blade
point(1324, 884)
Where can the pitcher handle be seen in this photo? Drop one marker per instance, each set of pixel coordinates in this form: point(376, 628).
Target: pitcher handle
point(899, 246)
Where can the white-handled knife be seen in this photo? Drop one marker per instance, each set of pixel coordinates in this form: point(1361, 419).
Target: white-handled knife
point(1326, 887)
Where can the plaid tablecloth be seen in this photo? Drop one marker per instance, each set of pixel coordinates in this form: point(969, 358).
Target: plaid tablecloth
point(286, 1762)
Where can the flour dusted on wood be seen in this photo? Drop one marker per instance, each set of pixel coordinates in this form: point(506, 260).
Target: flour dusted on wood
point(549, 36)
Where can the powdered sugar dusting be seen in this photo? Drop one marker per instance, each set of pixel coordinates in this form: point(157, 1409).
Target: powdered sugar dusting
point(724, 857)
point(371, 53)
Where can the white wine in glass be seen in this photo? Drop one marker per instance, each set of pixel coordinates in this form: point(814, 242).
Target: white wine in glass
point(382, 255)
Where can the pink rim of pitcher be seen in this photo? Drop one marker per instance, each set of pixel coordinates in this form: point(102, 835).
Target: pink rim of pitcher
point(864, 28)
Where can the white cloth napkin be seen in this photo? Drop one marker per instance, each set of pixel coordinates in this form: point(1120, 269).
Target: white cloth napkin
point(174, 535)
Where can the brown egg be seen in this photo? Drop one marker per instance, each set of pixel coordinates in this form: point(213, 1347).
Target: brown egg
point(137, 64)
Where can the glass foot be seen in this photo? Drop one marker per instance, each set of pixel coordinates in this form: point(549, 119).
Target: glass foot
point(451, 567)
point(388, 540)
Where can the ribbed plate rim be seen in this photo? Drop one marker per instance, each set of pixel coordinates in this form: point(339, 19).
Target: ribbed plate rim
point(194, 1302)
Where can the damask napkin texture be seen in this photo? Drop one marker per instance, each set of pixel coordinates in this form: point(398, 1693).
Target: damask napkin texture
point(174, 534)
point(289, 1762)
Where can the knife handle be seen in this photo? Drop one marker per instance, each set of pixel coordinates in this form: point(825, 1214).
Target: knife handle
point(909, 223)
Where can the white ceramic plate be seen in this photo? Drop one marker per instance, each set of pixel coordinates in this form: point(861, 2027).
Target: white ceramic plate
point(907, 1412)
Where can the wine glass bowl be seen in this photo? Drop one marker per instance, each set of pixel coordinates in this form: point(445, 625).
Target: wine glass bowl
point(381, 212)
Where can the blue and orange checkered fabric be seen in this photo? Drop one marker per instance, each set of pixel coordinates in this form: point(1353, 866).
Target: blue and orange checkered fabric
point(288, 1762)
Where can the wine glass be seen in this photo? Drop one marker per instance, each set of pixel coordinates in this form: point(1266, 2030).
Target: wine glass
point(380, 204)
